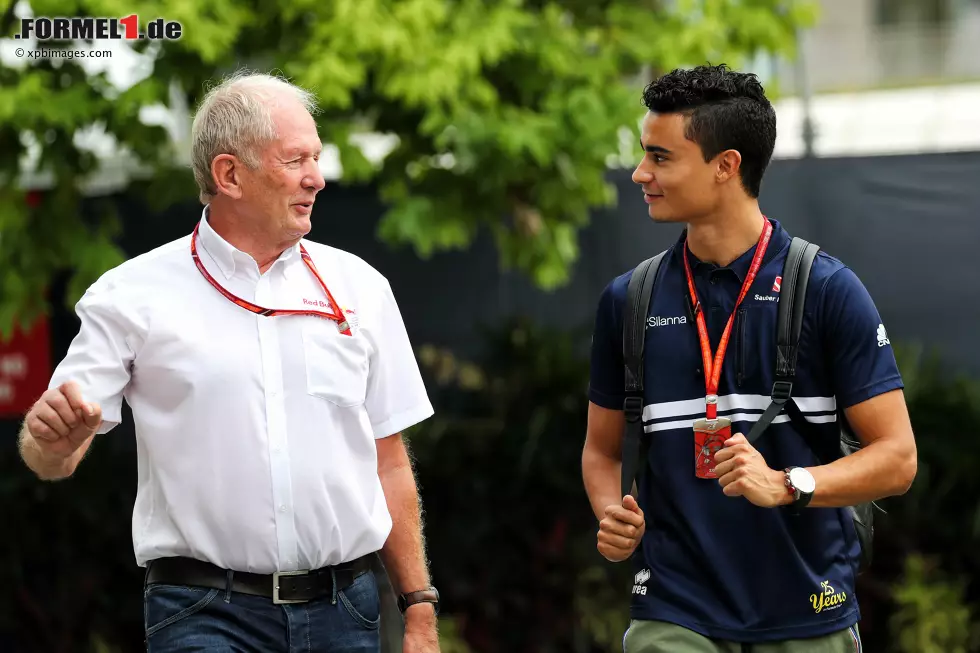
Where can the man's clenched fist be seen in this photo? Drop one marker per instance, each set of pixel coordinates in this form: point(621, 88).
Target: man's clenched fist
point(621, 530)
point(61, 421)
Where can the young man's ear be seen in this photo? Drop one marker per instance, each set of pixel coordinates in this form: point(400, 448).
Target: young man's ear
point(729, 165)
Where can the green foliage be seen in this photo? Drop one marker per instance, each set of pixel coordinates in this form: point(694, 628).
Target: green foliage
point(504, 113)
point(932, 616)
point(941, 512)
point(919, 591)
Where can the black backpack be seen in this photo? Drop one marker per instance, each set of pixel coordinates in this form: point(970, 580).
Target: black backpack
point(796, 275)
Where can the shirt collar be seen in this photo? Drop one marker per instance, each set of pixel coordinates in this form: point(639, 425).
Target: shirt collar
point(228, 257)
point(740, 266)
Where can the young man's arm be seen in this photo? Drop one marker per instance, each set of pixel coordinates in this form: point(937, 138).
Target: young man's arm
point(602, 457)
point(621, 523)
point(884, 467)
point(867, 382)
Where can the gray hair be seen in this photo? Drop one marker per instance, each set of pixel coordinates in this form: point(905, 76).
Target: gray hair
point(235, 117)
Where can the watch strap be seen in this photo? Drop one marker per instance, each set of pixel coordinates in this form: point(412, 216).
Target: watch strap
point(427, 595)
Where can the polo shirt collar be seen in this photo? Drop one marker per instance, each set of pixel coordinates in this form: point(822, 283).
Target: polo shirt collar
point(228, 257)
point(740, 266)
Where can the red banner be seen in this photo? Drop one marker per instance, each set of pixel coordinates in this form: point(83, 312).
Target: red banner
point(25, 369)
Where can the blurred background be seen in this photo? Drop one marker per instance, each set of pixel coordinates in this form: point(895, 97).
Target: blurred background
point(479, 155)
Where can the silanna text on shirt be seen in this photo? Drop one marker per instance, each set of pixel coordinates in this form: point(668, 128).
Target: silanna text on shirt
point(658, 321)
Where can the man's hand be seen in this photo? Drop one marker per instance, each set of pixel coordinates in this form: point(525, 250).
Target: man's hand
point(421, 632)
point(61, 421)
point(621, 530)
point(743, 472)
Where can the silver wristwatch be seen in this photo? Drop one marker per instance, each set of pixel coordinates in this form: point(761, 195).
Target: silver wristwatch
point(801, 485)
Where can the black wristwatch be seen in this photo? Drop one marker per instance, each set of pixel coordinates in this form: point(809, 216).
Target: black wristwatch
point(428, 595)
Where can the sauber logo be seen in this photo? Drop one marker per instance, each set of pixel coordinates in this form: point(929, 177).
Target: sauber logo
point(777, 283)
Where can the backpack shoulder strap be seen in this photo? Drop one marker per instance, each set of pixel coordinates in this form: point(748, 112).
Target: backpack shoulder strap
point(635, 311)
point(789, 325)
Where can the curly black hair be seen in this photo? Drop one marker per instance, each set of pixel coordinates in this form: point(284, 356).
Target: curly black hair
point(727, 110)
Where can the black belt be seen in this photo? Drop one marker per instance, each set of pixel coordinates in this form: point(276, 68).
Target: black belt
point(281, 586)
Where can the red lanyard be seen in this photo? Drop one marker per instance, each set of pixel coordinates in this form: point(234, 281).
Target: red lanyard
point(337, 316)
point(712, 369)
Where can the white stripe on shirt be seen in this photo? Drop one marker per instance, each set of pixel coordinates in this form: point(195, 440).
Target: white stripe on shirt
point(737, 407)
point(736, 417)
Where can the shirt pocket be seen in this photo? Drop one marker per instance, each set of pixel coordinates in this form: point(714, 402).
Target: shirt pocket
point(336, 365)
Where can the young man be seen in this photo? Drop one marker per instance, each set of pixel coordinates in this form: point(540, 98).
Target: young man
point(271, 465)
point(724, 561)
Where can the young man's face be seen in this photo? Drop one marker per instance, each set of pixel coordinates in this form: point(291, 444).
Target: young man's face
point(678, 185)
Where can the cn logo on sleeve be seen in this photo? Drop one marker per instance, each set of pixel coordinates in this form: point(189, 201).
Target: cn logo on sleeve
point(883, 336)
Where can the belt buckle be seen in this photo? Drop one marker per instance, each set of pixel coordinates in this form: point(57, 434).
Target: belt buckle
point(275, 586)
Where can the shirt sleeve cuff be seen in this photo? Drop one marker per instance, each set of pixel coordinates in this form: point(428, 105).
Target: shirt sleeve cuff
point(401, 421)
point(870, 391)
point(612, 402)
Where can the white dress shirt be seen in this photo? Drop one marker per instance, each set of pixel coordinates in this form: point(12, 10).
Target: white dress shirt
point(255, 435)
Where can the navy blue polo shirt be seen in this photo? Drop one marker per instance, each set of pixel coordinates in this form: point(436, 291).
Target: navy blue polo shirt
point(719, 565)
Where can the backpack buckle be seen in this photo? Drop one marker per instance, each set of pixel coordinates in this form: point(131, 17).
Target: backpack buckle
point(633, 408)
point(781, 391)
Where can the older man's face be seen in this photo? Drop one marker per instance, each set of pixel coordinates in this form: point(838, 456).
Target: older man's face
point(281, 192)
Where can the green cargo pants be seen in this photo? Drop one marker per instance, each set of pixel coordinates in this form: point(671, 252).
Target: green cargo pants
point(662, 637)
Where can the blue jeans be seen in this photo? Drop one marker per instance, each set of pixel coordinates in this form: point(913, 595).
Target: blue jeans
point(190, 619)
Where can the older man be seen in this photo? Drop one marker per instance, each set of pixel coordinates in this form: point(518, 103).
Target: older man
point(270, 378)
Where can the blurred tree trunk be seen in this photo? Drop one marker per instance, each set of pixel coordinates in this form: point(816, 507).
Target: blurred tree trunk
point(392, 624)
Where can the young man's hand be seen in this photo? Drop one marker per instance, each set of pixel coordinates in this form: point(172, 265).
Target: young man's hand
point(743, 472)
point(621, 530)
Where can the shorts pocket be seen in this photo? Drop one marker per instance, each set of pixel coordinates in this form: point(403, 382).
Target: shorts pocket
point(165, 605)
point(362, 601)
point(336, 365)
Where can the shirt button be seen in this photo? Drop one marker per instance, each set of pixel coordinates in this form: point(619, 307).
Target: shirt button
point(282, 508)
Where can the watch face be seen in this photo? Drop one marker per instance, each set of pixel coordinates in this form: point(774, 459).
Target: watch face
point(802, 480)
